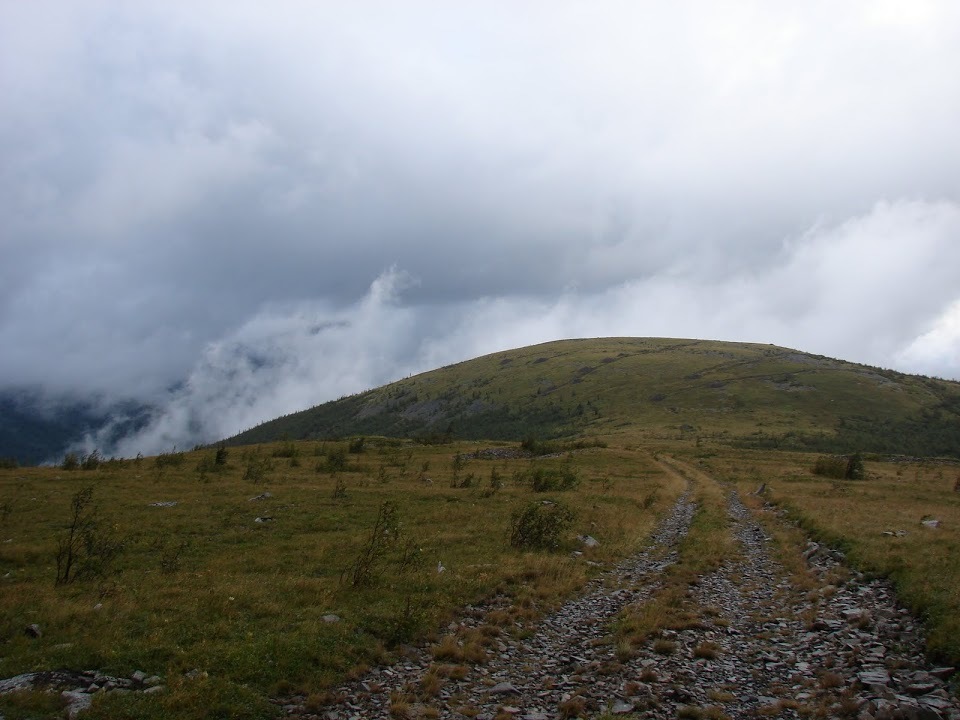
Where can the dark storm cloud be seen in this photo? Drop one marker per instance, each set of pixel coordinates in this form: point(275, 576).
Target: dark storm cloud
point(175, 176)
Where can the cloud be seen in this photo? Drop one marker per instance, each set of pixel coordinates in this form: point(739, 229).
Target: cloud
point(847, 290)
point(174, 175)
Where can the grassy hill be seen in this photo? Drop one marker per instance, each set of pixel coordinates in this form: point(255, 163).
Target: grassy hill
point(739, 393)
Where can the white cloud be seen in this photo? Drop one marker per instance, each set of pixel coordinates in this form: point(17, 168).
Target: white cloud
point(177, 175)
point(871, 289)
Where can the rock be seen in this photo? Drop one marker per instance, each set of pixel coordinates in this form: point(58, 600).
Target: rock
point(138, 677)
point(33, 631)
point(921, 688)
point(331, 618)
point(263, 519)
point(504, 688)
point(588, 541)
point(76, 701)
point(262, 496)
point(931, 523)
point(163, 503)
point(153, 681)
point(877, 676)
point(943, 673)
point(154, 690)
point(621, 708)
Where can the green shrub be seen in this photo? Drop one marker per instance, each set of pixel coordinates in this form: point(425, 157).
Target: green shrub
point(840, 467)
point(540, 525)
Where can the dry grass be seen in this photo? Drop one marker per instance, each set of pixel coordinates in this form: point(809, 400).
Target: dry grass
point(706, 650)
point(855, 517)
point(234, 591)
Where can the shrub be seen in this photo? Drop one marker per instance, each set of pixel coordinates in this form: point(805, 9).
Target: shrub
point(855, 469)
point(87, 547)
point(383, 536)
point(840, 467)
point(356, 445)
point(172, 458)
point(91, 461)
point(70, 462)
point(221, 457)
point(540, 525)
point(832, 466)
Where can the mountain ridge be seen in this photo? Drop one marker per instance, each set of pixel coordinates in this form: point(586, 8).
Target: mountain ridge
point(738, 393)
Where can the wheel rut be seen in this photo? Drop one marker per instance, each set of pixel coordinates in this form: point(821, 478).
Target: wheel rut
point(758, 646)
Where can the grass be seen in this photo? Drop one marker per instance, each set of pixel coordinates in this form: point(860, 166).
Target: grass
point(705, 547)
point(657, 388)
point(232, 612)
point(855, 517)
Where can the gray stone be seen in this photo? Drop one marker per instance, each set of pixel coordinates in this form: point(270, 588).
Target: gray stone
point(33, 630)
point(504, 688)
point(331, 618)
point(76, 701)
point(139, 676)
point(154, 690)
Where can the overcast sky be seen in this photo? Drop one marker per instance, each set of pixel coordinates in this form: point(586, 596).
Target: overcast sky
point(264, 206)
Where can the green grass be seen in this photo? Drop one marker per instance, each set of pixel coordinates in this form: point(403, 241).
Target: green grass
point(662, 389)
point(231, 611)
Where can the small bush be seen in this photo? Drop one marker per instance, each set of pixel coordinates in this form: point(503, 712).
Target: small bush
point(356, 445)
point(540, 525)
point(336, 460)
point(70, 462)
point(172, 458)
point(840, 467)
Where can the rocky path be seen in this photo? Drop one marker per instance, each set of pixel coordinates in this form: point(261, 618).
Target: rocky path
point(761, 648)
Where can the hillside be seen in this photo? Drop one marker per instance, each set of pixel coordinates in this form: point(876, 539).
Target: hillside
point(738, 393)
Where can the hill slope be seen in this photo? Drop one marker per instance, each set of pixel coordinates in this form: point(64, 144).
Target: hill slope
point(741, 393)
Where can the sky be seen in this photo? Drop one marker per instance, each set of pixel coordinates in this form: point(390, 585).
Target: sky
point(235, 210)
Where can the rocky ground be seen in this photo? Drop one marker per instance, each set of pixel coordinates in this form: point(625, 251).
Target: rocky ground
point(763, 648)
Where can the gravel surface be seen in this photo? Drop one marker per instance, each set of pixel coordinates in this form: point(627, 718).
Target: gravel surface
point(763, 648)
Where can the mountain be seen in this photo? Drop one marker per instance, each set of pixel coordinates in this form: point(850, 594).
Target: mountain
point(739, 393)
point(35, 428)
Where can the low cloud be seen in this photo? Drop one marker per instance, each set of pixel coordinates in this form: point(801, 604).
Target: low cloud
point(877, 289)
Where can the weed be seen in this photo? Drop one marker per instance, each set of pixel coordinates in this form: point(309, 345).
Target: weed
point(573, 707)
point(664, 647)
point(383, 536)
point(706, 650)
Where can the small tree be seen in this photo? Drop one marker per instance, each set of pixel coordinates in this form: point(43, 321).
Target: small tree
point(85, 549)
point(855, 469)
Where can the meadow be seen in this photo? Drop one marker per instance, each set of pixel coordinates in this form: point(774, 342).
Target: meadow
point(223, 578)
point(282, 569)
